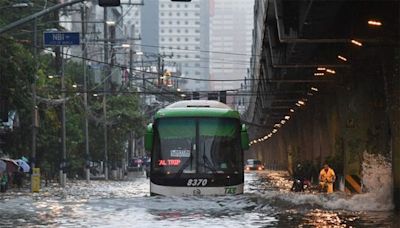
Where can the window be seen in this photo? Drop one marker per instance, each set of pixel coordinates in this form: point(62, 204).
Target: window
point(178, 39)
point(197, 6)
point(186, 30)
point(178, 31)
point(186, 39)
point(170, 39)
point(162, 14)
point(186, 22)
point(178, 14)
point(186, 13)
point(197, 22)
point(218, 143)
point(197, 73)
point(170, 22)
point(170, 14)
point(178, 22)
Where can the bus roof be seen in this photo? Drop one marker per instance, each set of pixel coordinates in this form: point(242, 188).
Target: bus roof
point(197, 108)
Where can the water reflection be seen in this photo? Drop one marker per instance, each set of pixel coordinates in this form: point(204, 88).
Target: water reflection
point(266, 203)
point(319, 218)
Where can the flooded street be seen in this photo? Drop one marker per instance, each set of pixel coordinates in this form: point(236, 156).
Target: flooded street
point(267, 202)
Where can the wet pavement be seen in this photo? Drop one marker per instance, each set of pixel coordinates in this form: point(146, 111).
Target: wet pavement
point(267, 202)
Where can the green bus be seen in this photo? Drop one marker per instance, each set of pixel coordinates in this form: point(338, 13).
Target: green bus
point(196, 149)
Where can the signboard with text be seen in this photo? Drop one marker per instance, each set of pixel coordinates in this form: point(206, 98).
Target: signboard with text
point(61, 38)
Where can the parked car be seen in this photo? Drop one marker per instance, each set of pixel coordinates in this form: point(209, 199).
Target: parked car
point(253, 164)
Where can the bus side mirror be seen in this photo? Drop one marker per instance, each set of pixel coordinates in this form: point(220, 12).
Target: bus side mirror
point(244, 138)
point(148, 138)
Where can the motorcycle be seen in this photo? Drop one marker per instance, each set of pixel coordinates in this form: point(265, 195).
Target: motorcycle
point(300, 185)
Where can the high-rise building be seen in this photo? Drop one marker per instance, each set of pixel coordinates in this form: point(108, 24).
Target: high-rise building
point(231, 25)
point(183, 37)
point(149, 26)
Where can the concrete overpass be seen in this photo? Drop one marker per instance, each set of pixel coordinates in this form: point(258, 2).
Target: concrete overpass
point(330, 70)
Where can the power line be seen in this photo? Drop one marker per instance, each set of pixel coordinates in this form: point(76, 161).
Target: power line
point(206, 51)
point(155, 73)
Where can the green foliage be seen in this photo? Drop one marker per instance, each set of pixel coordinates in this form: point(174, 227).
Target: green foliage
point(17, 70)
point(16, 74)
point(123, 116)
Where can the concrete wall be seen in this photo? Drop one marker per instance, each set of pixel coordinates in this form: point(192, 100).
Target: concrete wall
point(341, 122)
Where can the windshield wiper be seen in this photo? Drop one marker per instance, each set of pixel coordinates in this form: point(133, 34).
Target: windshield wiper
point(186, 164)
point(206, 162)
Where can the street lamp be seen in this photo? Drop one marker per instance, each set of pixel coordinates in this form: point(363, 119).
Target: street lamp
point(110, 23)
point(19, 5)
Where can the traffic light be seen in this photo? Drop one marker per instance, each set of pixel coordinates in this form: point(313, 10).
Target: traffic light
point(222, 96)
point(106, 3)
point(196, 96)
point(213, 96)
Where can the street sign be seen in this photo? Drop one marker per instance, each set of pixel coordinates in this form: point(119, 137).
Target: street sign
point(61, 38)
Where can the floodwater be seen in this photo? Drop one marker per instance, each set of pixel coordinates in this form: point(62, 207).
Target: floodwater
point(267, 202)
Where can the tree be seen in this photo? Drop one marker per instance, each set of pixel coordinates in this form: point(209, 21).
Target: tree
point(16, 76)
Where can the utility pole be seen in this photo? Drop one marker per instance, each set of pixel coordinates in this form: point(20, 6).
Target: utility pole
point(105, 94)
point(85, 98)
point(34, 107)
point(159, 70)
point(111, 88)
point(131, 62)
point(63, 174)
point(144, 82)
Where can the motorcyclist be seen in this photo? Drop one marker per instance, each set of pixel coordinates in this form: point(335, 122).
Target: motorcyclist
point(326, 178)
point(298, 178)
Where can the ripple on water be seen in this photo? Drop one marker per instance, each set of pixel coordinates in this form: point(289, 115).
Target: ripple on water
point(127, 204)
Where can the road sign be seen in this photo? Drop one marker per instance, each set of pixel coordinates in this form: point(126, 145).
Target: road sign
point(61, 38)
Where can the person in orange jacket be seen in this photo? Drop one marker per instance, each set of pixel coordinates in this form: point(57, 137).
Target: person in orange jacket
point(326, 178)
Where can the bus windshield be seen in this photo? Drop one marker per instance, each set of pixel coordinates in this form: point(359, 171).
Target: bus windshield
point(197, 145)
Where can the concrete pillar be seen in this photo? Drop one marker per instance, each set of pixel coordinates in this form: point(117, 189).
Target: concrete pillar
point(396, 162)
point(392, 88)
